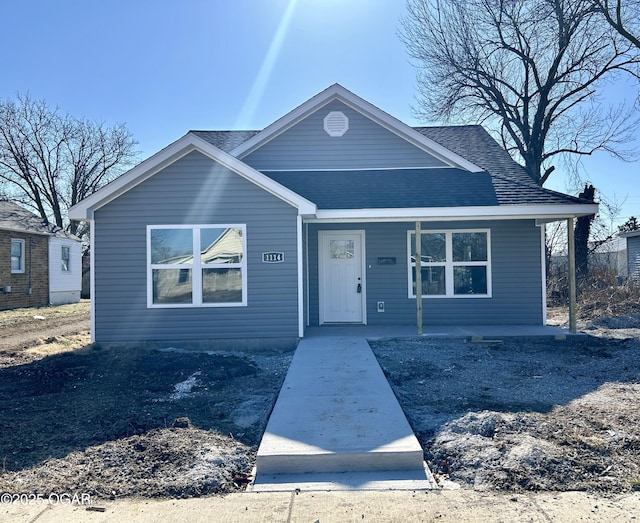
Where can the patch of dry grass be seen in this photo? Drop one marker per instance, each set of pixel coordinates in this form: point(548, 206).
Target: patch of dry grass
point(59, 344)
point(57, 311)
point(600, 296)
point(598, 301)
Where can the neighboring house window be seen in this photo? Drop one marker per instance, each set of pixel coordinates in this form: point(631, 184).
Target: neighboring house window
point(215, 277)
point(17, 256)
point(454, 264)
point(66, 259)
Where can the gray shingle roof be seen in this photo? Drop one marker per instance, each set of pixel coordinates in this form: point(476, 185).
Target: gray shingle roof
point(15, 218)
point(390, 189)
point(512, 183)
point(507, 182)
point(225, 140)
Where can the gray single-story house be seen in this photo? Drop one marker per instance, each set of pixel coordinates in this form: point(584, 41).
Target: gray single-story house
point(633, 254)
point(311, 221)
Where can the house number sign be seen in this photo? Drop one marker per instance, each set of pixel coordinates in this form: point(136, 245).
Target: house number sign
point(272, 257)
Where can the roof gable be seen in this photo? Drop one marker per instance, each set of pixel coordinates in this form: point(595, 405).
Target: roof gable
point(373, 113)
point(365, 144)
point(190, 142)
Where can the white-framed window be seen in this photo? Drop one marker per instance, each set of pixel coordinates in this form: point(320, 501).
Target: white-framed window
point(17, 256)
point(455, 263)
point(65, 257)
point(215, 277)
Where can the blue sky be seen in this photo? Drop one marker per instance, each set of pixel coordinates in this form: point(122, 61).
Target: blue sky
point(163, 67)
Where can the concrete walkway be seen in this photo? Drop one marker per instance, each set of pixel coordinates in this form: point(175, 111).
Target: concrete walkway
point(458, 506)
point(338, 425)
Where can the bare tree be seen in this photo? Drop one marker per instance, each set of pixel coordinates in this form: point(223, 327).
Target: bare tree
point(50, 162)
point(631, 225)
point(527, 69)
point(624, 17)
point(581, 239)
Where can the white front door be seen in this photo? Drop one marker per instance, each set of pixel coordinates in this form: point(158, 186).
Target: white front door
point(341, 276)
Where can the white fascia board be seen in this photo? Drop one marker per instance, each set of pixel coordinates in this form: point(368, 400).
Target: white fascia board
point(337, 92)
point(505, 212)
point(190, 142)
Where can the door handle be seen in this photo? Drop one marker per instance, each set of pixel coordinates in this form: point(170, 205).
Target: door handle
point(359, 288)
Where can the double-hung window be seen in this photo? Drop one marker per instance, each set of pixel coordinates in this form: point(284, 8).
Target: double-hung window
point(196, 265)
point(17, 256)
point(453, 263)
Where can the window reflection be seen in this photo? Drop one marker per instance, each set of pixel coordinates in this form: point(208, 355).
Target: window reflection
point(171, 246)
point(341, 249)
point(221, 245)
point(172, 286)
point(221, 285)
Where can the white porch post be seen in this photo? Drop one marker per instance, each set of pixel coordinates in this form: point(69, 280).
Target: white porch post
point(419, 277)
point(571, 275)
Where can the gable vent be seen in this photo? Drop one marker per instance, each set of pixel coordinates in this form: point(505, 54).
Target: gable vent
point(336, 123)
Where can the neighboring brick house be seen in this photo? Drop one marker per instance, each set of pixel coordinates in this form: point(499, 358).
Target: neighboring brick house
point(38, 265)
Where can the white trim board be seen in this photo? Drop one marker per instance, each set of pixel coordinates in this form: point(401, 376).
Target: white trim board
point(518, 212)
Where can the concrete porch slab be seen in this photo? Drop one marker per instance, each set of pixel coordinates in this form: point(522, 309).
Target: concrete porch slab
point(337, 414)
point(409, 331)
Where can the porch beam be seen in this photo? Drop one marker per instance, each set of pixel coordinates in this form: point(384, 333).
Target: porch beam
point(572, 275)
point(419, 277)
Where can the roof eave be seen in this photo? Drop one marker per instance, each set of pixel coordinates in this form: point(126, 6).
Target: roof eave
point(24, 231)
point(552, 212)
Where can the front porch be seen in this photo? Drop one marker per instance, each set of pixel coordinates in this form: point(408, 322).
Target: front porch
point(483, 332)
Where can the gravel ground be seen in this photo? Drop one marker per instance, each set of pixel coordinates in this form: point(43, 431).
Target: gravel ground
point(525, 414)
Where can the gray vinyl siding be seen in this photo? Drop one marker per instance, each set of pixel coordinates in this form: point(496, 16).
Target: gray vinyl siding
point(633, 257)
point(366, 145)
point(194, 190)
point(515, 267)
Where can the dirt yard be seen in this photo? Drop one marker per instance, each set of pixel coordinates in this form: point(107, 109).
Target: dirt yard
point(161, 420)
point(126, 420)
point(525, 414)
